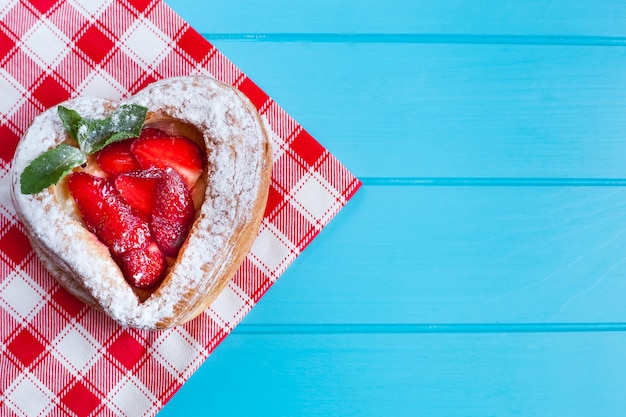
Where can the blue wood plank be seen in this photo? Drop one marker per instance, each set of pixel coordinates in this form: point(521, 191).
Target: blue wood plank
point(461, 255)
point(452, 110)
point(555, 374)
point(545, 17)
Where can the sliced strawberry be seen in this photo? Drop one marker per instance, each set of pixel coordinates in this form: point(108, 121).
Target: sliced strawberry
point(107, 215)
point(117, 158)
point(177, 152)
point(173, 213)
point(143, 268)
point(122, 230)
point(138, 188)
point(89, 192)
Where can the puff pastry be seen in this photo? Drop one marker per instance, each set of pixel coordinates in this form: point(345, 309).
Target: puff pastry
point(236, 141)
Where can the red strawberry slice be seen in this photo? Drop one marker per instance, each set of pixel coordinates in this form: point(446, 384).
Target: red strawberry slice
point(107, 215)
point(138, 188)
point(122, 230)
point(89, 192)
point(173, 213)
point(177, 152)
point(117, 158)
point(143, 268)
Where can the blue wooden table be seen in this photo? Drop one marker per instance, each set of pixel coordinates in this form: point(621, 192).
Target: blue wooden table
point(481, 269)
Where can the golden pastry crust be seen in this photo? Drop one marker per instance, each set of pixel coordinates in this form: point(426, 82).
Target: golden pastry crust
point(237, 144)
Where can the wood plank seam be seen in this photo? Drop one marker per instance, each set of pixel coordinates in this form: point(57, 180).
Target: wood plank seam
point(431, 38)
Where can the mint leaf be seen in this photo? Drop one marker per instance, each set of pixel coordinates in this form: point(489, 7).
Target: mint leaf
point(70, 119)
point(125, 122)
point(91, 134)
point(49, 167)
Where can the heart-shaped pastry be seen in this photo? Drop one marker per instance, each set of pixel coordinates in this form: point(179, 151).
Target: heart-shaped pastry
point(158, 261)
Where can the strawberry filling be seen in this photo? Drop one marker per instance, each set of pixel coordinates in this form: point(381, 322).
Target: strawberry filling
point(177, 152)
point(172, 213)
point(138, 189)
point(140, 203)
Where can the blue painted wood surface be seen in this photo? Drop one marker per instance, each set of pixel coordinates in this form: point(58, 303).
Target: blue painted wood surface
point(481, 269)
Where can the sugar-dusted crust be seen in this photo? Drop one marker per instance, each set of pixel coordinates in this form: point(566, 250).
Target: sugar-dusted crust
point(237, 144)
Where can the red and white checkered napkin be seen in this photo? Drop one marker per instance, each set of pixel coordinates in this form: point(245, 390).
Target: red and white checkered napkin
point(57, 356)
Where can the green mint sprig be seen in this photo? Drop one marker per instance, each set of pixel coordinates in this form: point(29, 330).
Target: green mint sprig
point(90, 134)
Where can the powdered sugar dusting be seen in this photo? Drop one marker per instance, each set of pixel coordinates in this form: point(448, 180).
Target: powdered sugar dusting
point(234, 137)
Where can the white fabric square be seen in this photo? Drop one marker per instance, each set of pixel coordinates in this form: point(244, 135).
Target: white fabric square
point(145, 42)
point(27, 396)
point(230, 306)
point(6, 6)
point(272, 251)
point(45, 44)
point(21, 296)
point(75, 348)
point(12, 93)
point(131, 398)
point(90, 8)
point(101, 84)
point(178, 351)
point(316, 199)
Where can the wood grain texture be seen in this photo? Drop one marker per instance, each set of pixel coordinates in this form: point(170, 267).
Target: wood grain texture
point(461, 255)
point(452, 110)
point(407, 375)
point(536, 17)
point(480, 270)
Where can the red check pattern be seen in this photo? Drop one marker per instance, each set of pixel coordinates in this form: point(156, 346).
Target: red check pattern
point(59, 357)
